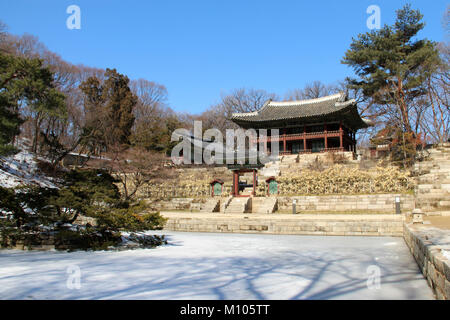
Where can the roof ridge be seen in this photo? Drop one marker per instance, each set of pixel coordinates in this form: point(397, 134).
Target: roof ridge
point(339, 96)
point(244, 114)
point(345, 103)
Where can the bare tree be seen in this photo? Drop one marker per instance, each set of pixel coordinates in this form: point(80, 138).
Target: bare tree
point(239, 100)
point(134, 168)
point(3, 33)
point(151, 106)
point(216, 117)
point(6, 39)
point(312, 90)
point(150, 93)
point(153, 118)
point(436, 114)
point(29, 46)
point(246, 100)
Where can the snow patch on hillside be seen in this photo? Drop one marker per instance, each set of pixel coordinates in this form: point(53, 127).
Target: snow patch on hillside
point(22, 169)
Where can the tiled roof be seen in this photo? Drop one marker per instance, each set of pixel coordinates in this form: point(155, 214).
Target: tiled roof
point(333, 106)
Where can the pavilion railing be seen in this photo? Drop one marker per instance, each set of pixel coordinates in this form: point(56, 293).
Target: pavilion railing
point(282, 153)
point(299, 135)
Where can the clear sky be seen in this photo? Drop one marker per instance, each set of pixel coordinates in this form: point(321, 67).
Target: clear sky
point(200, 49)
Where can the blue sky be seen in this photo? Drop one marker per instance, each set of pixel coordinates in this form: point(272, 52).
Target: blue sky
point(200, 49)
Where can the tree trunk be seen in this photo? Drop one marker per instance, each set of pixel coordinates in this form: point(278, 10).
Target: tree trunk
point(403, 107)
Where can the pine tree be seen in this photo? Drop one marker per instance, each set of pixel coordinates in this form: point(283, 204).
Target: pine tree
point(10, 120)
point(392, 64)
point(25, 82)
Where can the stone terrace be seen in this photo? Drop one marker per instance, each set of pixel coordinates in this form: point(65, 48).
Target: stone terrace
point(304, 224)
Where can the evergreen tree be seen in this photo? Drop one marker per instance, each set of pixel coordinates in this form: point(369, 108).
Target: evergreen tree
point(392, 64)
point(10, 120)
point(120, 102)
point(25, 82)
point(109, 110)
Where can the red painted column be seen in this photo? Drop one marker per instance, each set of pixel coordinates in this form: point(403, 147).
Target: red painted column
point(304, 137)
point(236, 183)
point(341, 144)
point(254, 182)
point(326, 139)
point(284, 140)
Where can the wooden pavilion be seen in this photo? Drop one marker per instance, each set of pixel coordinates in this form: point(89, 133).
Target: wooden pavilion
point(317, 125)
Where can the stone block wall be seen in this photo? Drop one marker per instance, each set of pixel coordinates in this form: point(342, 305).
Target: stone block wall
point(381, 203)
point(173, 204)
point(335, 225)
point(374, 203)
point(428, 254)
point(42, 241)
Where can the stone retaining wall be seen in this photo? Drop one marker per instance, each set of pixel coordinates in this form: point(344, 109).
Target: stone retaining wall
point(173, 204)
point(335, 225)
point(377, 203)
point(383, 203)
point(426, 246)
point(40, 242)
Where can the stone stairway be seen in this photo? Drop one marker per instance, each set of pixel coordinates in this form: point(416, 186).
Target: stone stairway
point(238, 205)
point(433, 181)
point(247, 191)
point(211, 205)
point(264, 204)
point(224, 203)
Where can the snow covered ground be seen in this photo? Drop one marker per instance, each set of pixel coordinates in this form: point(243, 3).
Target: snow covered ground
point(21, 169)
point(221, 266)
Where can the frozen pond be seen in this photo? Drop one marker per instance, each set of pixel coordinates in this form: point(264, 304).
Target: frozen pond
point(221, 266)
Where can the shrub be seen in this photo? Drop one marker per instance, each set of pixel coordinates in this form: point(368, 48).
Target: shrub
point(341, 180)
point(86, 239)
point(24, 212)
point(130, 219)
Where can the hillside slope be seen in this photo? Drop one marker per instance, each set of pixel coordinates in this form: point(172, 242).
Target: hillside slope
point(22, 169)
